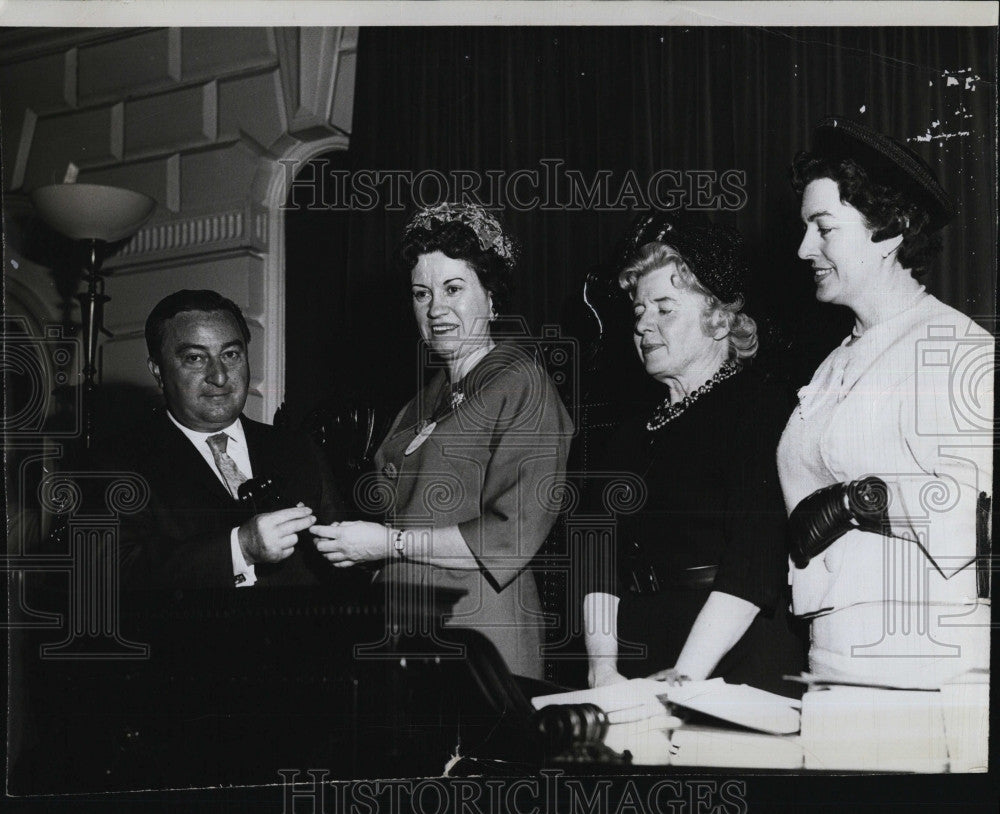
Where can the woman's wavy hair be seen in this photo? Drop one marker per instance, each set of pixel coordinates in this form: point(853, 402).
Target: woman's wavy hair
point(888, 212)
point(742, 330)
point(459, 242)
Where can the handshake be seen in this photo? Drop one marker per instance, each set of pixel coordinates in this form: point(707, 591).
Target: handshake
point(828, 513)
point(271, 533)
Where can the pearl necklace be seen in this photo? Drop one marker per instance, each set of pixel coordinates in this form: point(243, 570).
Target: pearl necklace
point(667, 412)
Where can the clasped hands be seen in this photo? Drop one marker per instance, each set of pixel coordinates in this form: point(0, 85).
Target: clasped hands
point(272, 537)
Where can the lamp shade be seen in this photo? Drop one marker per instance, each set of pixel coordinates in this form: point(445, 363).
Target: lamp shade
point(92, 211)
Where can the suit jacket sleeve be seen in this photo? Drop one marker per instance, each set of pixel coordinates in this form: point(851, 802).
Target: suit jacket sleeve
point(153, 554)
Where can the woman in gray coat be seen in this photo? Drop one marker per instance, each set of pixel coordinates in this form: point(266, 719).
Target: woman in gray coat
point(471, 465)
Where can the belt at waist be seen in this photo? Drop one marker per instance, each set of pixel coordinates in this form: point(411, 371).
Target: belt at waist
point(651, 580)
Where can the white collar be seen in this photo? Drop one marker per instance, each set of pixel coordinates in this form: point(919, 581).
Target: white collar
point(893, 304)
point(472, 360)
point(234, 431)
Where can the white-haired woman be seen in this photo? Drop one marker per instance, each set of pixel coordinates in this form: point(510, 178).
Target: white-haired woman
point(696, 584)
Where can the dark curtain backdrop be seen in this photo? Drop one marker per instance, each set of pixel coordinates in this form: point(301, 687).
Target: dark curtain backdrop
point(621, 99)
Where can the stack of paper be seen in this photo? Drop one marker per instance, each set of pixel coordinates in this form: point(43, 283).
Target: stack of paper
point(966, 710)
point(775, 718)
point(640, 721)
point(738, 704)
point(871, 728)
point(625, 701)
point(642, 697)
point(697, 745)
point(648, 740)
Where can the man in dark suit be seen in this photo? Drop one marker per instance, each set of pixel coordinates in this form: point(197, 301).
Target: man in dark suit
point(196, 454)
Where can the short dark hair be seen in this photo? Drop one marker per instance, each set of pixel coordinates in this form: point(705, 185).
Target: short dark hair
point(888, 212)
point(459, 242)
point(188, 300)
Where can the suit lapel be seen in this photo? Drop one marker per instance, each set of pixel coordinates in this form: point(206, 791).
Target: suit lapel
point(259, 448)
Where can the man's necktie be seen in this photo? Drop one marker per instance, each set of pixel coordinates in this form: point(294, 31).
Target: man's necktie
point(227, 466)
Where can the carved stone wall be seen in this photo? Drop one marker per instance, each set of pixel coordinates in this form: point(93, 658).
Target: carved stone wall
point(198, 119)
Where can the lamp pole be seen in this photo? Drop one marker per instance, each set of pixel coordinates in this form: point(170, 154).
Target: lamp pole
point(94, 216)
point(92, 315)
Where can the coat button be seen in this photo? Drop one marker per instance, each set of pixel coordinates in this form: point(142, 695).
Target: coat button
point(389, 470)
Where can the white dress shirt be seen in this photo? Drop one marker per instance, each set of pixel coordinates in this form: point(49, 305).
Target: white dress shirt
point(236, 448)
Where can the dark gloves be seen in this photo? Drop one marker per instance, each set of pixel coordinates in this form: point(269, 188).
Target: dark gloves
point(828, 513)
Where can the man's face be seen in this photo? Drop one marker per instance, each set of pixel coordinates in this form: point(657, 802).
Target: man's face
point(204, 371)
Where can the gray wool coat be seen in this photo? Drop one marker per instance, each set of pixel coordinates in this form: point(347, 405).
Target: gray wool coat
point(494, 466)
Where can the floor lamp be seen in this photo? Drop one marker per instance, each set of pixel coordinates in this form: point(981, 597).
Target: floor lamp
point(94, 216)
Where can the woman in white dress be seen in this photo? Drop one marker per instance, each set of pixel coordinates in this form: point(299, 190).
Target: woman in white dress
point(906, 398)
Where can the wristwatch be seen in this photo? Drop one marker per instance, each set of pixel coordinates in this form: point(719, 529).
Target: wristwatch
point(397, 543)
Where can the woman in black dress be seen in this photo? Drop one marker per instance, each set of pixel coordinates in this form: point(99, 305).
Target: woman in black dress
point(695, 583)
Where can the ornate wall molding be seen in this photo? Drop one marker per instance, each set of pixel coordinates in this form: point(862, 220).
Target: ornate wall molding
point(244, 227)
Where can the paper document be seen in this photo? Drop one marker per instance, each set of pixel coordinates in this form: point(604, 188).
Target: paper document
point(696, 745)
point(642, 698)
point(739, 704)
point(626, 701)
point(872, 729)
point(822, 680)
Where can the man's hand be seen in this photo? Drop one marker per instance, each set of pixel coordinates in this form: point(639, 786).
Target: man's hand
point(272, 537)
